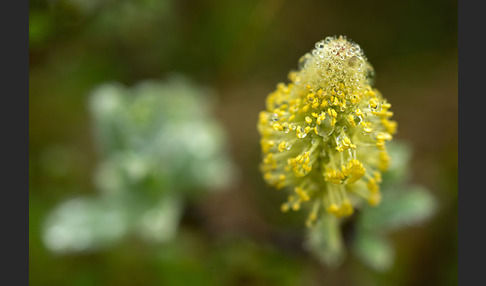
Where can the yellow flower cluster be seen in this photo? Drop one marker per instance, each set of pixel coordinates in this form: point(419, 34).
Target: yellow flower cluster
point(323, 134)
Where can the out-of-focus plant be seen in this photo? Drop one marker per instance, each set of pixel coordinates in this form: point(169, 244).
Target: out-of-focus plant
point(404, 204)
point(159, 147)
point(324, 138)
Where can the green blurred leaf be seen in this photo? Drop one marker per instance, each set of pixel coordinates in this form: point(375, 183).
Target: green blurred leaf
point(374, 251)
point(325, 241)
point(406, 207)
point(159, 130)
point(82, 224)
point(398, 172)
point(160, 222)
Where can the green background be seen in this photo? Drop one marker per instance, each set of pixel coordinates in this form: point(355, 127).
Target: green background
point(240, 49)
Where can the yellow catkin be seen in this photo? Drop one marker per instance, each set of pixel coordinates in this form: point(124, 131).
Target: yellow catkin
point(324, 134)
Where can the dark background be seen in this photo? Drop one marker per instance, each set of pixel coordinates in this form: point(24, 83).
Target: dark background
point(241, 49)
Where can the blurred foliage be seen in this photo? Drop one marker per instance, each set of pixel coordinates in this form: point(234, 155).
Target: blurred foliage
point(240, 49)
point(403, 205)
point(159, 145)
